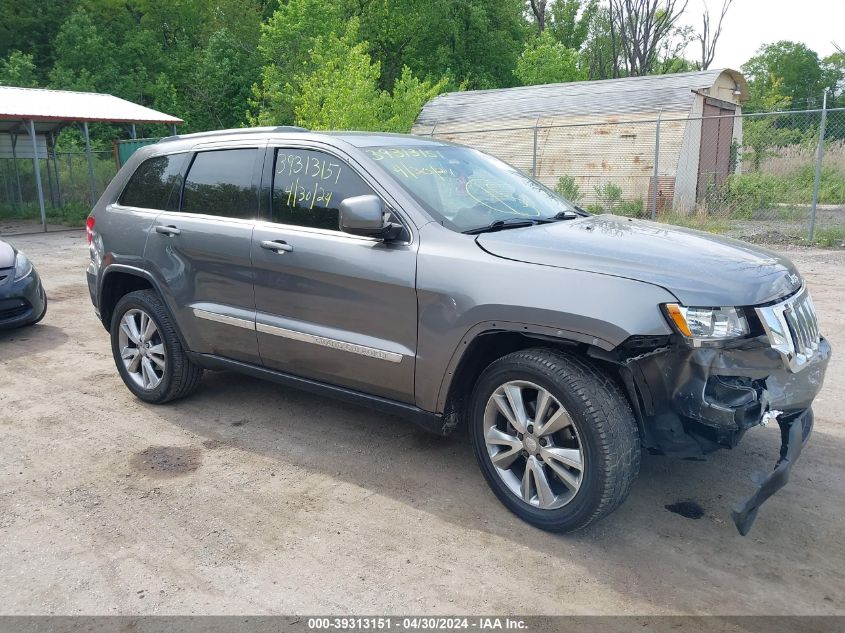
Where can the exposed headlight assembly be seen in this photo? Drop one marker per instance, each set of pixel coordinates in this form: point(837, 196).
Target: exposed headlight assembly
point(707, 324)
point(22, 266)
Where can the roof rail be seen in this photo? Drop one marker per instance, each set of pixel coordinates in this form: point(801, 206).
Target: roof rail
point(243, 130)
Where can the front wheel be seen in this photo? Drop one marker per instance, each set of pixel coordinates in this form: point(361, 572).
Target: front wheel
point(148, 352)
point(555, 438)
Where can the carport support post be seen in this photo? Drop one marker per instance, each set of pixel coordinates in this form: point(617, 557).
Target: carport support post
point(56, 170)
point(656, 161)
point(534, 152)
point(37, 170)
point(90, 164)
point(819, 158)
point(14, 139)
point(133, 132)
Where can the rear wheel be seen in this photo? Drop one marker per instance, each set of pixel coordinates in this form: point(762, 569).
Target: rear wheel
point(148, 352)
point(554, 437)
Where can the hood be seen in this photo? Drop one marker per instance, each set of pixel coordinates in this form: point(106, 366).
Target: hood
point(7, 255)
point(700, 269)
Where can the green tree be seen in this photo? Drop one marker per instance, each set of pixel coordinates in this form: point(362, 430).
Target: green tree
point(545, 61)
point(342, 89)
point(571, 21)
point(284, 49)
point(785, 71)
point(18, 69)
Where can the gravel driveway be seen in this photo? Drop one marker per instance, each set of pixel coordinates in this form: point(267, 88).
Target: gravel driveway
point(251, 498)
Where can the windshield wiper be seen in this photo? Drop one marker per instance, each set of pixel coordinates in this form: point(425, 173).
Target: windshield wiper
point(499, 225)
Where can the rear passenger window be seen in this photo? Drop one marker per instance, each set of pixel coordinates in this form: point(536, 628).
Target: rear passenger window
point(308, 187)
point(156, 183)
point(221, 182)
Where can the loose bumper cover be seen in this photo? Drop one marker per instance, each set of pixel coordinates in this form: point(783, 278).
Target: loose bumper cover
point(690, 401)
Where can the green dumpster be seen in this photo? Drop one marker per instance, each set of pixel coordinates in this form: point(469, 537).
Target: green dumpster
point(124, 149)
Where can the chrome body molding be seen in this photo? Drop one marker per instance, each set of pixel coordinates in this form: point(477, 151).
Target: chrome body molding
point(343, 346)
point(363, 350)
point(222, 318)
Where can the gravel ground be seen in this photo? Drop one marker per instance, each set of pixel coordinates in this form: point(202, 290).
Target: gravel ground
point(250, 498)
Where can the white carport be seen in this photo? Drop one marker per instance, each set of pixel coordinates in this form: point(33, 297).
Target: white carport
point(40, 114)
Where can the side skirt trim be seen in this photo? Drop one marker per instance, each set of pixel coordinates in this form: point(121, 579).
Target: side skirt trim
point(432, 422)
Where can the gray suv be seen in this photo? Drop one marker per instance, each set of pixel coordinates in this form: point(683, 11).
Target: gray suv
point(434, 281)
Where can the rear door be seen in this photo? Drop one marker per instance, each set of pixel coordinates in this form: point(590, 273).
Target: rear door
point(331, 306)
point(201, 252)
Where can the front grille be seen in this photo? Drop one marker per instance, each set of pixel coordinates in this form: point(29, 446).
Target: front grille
point(12, 308)
point(792, 328)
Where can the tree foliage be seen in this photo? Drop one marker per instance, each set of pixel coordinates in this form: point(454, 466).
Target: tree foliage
point(785, 74)
point(18, 69)
point(545, 60)
point(368, 64)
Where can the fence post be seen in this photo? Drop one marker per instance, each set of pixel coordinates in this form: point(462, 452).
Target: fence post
point(656, 160)
point(818, 179)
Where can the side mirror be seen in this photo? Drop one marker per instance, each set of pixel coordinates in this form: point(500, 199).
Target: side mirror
point(362, 215)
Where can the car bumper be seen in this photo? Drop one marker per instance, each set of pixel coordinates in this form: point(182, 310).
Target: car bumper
point(22, 302)
point(794, 434)
point(695, 400)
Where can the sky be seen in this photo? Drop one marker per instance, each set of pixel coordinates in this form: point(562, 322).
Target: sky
point(751, 23)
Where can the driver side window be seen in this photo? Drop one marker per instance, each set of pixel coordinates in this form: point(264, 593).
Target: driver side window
point(308, 187)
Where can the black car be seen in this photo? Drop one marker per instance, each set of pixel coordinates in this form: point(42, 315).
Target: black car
point(22, 297)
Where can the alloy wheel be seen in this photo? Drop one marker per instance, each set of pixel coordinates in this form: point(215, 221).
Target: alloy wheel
point(142, 349)
point(533, 444)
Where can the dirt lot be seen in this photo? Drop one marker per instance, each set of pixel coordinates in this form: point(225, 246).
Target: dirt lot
point(249, 498)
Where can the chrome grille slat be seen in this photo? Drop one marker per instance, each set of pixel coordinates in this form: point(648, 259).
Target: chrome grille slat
point(792, 328)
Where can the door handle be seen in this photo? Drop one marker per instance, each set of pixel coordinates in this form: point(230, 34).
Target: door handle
point(167, 230)
point(277, 246)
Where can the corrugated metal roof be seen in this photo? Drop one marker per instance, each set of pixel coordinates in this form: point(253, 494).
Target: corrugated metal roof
point(57, 106)
point(630, 95)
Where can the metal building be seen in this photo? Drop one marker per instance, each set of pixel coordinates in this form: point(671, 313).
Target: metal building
point(606, 131)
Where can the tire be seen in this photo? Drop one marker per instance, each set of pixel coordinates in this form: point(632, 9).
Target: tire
point(173, 374)
point(599, 435)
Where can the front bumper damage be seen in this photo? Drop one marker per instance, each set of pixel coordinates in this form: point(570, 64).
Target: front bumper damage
point(794, 434)
point(690, 401)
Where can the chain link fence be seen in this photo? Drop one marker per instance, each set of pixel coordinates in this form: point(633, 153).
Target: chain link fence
point(67, 190)
point(775, 178)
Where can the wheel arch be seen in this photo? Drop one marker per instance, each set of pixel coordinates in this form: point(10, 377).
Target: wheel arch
point(487, 342)
point(119, 280)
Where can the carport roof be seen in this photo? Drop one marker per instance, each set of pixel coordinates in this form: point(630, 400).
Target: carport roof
point(52, 109)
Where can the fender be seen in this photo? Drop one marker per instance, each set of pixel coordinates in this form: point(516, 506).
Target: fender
point(530, 329)
point(138, 272)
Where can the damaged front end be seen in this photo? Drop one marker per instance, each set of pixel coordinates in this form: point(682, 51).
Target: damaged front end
point(693, 397)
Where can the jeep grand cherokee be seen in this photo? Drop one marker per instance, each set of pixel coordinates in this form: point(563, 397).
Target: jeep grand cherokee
point(432, 280)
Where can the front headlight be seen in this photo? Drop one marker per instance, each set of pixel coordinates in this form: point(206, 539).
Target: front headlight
point(707, 324)
point(22, 266)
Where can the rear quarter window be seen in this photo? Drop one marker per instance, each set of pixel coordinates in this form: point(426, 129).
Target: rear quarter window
point(156, 183)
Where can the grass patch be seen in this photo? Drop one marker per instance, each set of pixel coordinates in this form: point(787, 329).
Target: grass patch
point(709, 224)
point(831, 237)
point(72, 214)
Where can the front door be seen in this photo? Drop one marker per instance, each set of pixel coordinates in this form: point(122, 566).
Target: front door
point(201, 253)
point(331, 306)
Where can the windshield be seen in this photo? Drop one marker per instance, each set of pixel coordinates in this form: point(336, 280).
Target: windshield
point(466, 189)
